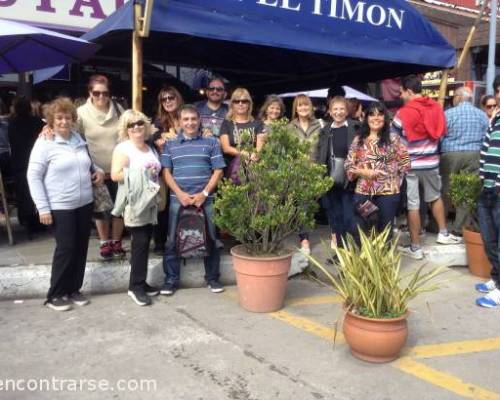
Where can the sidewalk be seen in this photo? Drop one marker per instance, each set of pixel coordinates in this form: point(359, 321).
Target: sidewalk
point(25, 267)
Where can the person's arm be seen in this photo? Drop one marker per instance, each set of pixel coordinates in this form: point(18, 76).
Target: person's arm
point(199, 198)
point(119, 161)
point(37, 168)
point(226, 146)
point(352, 167)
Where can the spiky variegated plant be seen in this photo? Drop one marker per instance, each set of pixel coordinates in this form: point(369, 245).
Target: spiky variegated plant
point(370, 280)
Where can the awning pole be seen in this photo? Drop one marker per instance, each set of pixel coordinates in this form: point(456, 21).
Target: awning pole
point(490, 72)
point(137, 59)
point(444, 80)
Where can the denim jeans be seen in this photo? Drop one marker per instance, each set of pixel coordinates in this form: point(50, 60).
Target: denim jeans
point(172, 262)
point(387, 208)
point(339, 207)
point(488, 211)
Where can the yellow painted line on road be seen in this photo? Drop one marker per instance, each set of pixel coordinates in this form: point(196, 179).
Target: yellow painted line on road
point(444, 380)
point(454, 348)
point(308, 326)
point(313, 300)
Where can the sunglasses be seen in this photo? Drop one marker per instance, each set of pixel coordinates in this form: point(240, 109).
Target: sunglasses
point(490, 106)
point(97, 93)
point(168, 98)
point(241, 101)
point(215, 89)
point(132, 125)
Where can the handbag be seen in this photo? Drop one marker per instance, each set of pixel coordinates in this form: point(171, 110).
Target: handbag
point(336, 166)
point(100, 193)
point(233, 170)
point(366, 209)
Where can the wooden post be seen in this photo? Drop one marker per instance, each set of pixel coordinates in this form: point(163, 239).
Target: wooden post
point(137, 60)
point(444, 80)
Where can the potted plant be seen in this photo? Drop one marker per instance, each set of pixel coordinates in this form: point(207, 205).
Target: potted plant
point(465, 188)
point(375, 295)
point(276, 197)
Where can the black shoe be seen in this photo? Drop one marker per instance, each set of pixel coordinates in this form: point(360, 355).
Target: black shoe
point(215, 287)
point(59, 304)
point(159, 250)
point(79, 299)
point(140, 297)
point(168, 289)
point(151, 291)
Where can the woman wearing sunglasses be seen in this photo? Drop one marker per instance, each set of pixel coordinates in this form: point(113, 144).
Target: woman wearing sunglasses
point(239, 129)
point(489, 105)
point(167, 122)
point(98, 123)
point(136, 168)
point(377, 161)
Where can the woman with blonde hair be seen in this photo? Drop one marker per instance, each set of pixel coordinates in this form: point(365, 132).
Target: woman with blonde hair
point(60, 177)
point(272, 109)
point(307, 128)
point(136, 167)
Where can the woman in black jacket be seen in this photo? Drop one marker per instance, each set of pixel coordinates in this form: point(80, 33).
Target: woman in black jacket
point(334, 142)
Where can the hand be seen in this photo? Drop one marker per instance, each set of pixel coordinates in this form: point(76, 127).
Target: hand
point(97, 178)
point(46, 219)
point(254, 157)
point(185, 199)
point(171, 134)
point(47, 133)
point(206, 133)
point(159, 143)
point(199, 199)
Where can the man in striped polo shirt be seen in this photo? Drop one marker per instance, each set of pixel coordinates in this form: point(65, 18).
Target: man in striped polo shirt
point(488, 206)
point(193, 165)
point(421, 123)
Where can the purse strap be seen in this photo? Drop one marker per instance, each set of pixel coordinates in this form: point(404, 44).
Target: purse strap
point(330, 144)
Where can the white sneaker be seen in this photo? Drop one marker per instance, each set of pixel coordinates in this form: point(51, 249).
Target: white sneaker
point(448, 239)
point(415, 254)
point(486, 287)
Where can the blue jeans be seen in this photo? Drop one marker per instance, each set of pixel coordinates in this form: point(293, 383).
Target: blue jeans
point(172, 262)
point(488, 211)
point(339, 207)
point(387, 209)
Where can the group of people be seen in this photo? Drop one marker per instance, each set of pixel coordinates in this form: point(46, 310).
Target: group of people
point(153, 168)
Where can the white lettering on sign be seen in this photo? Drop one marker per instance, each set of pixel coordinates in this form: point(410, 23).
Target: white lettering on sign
point(75, 15)
point(352, 10)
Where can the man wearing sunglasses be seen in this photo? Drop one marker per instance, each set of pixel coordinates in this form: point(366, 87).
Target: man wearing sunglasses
point(213, 110)
point(466, 127)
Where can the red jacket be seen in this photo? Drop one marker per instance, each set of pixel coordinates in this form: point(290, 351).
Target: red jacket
point(422, 118)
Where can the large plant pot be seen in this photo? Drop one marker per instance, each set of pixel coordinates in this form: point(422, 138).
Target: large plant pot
point(375, 340)
point(261, 281)
point(478, 262)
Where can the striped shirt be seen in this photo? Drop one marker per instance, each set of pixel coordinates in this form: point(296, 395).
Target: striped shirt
point(424, 154)
point(490, 155)
point(192, 161)
point(466, 127)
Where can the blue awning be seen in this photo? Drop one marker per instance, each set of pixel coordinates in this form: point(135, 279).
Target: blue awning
point(270, 45)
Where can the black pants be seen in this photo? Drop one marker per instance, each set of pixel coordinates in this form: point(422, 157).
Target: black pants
point(72, 231)
point(160, 231)
point(140, 238)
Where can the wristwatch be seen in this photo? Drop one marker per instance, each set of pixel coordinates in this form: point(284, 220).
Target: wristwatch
point(205, 193)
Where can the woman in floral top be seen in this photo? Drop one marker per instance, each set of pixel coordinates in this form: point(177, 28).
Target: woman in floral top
point(377, 161)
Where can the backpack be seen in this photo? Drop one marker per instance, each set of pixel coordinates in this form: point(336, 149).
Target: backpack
point(191, 236)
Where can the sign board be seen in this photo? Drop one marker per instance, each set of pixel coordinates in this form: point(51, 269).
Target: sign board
point(71, 15)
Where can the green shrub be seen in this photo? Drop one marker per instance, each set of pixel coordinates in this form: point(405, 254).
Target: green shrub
point(465, 188)
point(278, 194)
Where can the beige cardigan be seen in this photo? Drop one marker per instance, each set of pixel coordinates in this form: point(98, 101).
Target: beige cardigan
point(100, 130)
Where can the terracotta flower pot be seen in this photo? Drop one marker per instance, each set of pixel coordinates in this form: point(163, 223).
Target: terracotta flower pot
point(261, 281)
point(375, 340)
point(478, 262)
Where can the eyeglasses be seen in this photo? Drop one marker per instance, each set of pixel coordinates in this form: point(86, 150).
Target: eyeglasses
point(490, 106)
point(241, 101)
point(168, 98)
point(97, 93)
point(132, 125)
point(215, 88)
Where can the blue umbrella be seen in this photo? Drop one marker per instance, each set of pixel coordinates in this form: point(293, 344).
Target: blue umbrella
point(27, 48)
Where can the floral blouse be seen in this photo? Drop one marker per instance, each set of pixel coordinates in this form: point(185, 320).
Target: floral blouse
point(392, 159)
